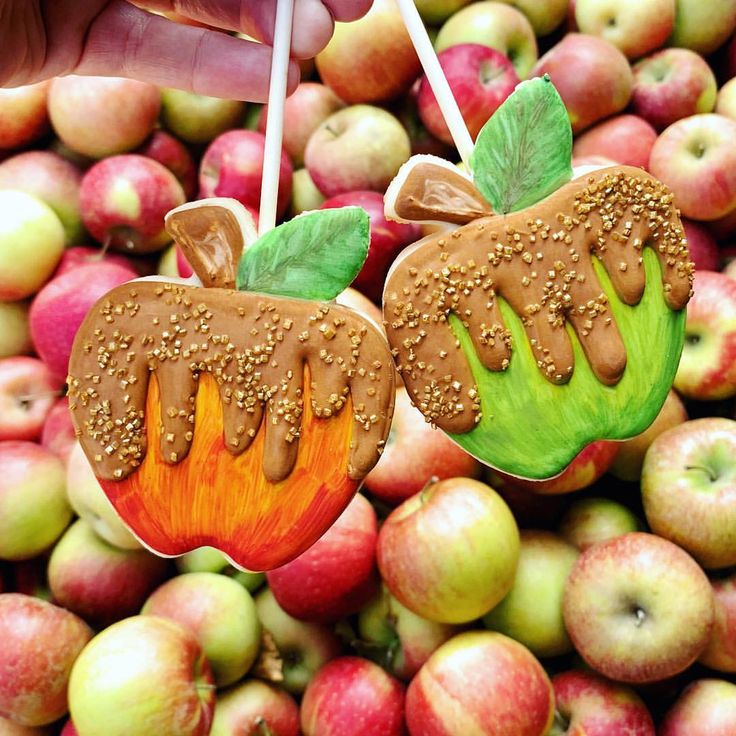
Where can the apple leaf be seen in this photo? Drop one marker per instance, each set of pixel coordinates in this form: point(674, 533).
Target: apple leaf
point(313, 256)
point(524, 152)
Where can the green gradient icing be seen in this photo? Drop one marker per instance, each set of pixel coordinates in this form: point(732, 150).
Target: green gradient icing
point(533, 428)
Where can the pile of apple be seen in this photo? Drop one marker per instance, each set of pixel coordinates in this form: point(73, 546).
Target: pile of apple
point(448, 599)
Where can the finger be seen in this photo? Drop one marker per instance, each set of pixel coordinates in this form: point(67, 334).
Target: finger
point(348, 10)
point(127, 41)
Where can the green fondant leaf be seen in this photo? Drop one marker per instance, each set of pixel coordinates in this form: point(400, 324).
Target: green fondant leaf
point(524, 152)
point(313, 256)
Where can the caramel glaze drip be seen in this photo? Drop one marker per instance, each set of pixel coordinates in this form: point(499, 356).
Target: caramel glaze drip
point(254, 346)
point(540, 260)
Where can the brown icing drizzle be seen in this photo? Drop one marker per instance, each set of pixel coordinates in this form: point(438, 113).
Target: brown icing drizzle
point(255, 347)
point(540, 261)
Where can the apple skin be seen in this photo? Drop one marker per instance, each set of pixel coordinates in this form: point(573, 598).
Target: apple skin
point(480, 78)
point(219, 612)
point(28, 391)
point(672, 84)
point(351, 696)
point(90, 502)
point(33, 505)
point(60, 307)
point(23, 114)
point(31, 243)
point(696, 159)
point(51, 179)
point(388, 239)
point(480, 682)
point(531, 612)
point(638, 608)
point(592, 520)
point(102, 116)
point(198, 118)
point(702, 246)
point(370, 60)
point(500, 26)
point(726, 100)
point(309, 105)
point(358, 147)
point(625, 139)
point(590, 705)
point(303, 646)
point(174, 155)
point(243, 708)
point(232, 166)
point(720, 654)
point(15, 335)
point(337, 575)
point(124, 200)
point(209, 559)
point(10, 728)
point(544, 15)
point(414, 454)
point(85, 255)
point(707, 368)
point(58, 433)
point(449, 553)
point(304, 194)
point(40, 643)
point(633, 26)
point(99, 582)
point(703, 27)
point(630, 458)
point(707, 707)
point(592, 76)
point(688, 487)
point(144, 675)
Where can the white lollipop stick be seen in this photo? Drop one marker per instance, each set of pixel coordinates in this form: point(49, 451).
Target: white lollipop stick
point(275, 123)
point(437, 80)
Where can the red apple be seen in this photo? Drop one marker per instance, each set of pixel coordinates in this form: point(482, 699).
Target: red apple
point(15, 336)
point(174, 155)
point(707, 368)
point(34, 510)
point(102, 116)
point(638, 608)
point(623, 139)
point(28, 390)
point(124, 200)
point(84, 255)
point(253, 708)
point(220, 613)
point(592, 76)
point(51, 179)
point(99, 582)
point(372, 59)
point(720, 654)
point(143, 675)
point(11, 728)
point(309, 105)
point(702, 246)
point(358, 147)
point(388, 238)
point(480, 78)
point(60, 307)
point(481, 682)
point(672, 84)
point(69, 730)
point(415, 453)
point(23, 114)
point(58, 433)
point(695, 157)
point(634, 26)
point(232, 166)
point(351, 696)
point(198, 118)
point(706, 708)
point(589, 705)
point(40, 643)
point(449, 553)
point(337, 575)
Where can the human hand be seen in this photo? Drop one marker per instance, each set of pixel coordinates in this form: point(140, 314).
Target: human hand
point(40, 39)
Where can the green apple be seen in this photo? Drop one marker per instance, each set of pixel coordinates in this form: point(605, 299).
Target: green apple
point(198, 118)
point(594, 519)
point(434, 12)
point(449, 553)
point(304, 193)
point(544, 15)
point(209, 559)
point(15, 337)
point(531, 612)
point(703, 26)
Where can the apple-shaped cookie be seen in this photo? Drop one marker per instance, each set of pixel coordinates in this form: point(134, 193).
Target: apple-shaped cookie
point(530, 333)
point(240, 419)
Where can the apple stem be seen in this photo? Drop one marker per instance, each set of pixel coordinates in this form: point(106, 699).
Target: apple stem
point(424, 492)
point(262, 726)
point(437, 80)
point(713, 477)
point(275, 121)
point(27, 398)
point(105, 248)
